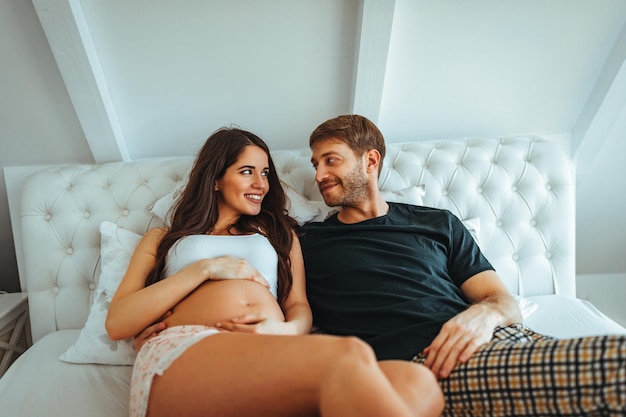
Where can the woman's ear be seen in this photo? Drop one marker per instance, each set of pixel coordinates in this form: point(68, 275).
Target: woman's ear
point(216, 187)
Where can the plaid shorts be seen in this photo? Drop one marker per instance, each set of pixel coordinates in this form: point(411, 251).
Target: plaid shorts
point(522, 373)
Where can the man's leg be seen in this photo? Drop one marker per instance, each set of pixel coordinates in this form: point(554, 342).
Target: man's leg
point(522, 373)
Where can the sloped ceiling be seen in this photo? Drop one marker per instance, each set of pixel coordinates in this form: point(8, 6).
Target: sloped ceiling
point(153, 78)
point(159, 78)
point(494, 67)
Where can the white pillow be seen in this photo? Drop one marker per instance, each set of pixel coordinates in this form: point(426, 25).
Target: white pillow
point(526, 306)
point(323, 210)
point(161, 207)
point(410, 195)
point(473, 225)
point(94, 344)
point(297, 206)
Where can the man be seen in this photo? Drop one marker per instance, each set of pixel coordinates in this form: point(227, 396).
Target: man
point(412, 282)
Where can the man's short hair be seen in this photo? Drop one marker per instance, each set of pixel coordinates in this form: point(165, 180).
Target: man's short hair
point(358, 132)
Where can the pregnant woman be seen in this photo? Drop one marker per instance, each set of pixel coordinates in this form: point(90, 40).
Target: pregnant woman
point(227, 279)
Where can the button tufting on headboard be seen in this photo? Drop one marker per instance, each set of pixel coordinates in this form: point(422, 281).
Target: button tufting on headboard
point(521, 189)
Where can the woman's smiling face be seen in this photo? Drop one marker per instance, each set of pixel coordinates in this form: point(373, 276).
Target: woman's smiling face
point(244, 184)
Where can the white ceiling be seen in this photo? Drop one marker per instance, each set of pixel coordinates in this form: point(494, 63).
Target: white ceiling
point(163, 77)
point(494, 67)
point(176, 72)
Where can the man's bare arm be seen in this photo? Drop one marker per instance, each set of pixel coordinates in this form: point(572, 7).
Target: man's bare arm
point(492, 305)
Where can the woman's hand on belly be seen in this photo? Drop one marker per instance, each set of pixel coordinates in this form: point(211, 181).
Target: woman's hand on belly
point(257, 323)
point(220, 301)
point(230, 267)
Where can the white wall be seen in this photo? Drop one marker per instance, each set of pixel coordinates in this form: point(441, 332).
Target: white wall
point(606, 292)
point(601, 208)
point(37, 122)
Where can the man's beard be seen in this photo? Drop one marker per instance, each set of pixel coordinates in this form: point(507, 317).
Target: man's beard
point(355, 188)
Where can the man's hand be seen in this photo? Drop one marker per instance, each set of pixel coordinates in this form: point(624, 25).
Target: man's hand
point(462, 335)
point(459, 338)
point(149, 332)
point(257, 323)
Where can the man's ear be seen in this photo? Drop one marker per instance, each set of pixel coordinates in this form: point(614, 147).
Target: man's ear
point(373, 160)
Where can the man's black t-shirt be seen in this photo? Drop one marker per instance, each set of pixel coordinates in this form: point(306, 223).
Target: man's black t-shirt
point(392, 280)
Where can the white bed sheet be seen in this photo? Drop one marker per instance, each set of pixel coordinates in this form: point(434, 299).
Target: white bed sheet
point(567, 317)
point(102, 390)
point(39, 384)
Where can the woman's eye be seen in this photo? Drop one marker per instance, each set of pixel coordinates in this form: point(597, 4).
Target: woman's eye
point(265, 173)
point(246, 171)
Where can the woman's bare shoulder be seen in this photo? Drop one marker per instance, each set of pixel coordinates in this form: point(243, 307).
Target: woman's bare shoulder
point(158, 231)
point(154, 236)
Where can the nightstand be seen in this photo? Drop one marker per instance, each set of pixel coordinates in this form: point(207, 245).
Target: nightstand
point(14, 328)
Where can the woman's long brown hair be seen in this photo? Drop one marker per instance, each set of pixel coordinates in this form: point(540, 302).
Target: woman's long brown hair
point(196, 211)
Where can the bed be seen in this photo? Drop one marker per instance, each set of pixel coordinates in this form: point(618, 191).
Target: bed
point(76, 225)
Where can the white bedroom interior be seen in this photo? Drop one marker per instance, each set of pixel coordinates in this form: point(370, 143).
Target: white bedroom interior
point(89, 81)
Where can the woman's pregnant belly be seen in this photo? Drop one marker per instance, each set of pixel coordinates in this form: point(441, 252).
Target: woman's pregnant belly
point(220, 301)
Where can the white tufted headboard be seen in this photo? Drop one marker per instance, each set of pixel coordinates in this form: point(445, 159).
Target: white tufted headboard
point(522, 189)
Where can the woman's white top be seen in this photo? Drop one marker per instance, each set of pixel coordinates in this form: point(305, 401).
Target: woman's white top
point(256, 249)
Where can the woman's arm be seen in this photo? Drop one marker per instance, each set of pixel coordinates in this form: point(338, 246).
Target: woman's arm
point(135, 306)
point(296, 305)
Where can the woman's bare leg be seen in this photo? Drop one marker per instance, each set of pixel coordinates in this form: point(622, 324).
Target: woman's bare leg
point(237, 375)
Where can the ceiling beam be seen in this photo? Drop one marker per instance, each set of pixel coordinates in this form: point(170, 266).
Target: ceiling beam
point(66, 28)
point(600, 117)
point(373, 48)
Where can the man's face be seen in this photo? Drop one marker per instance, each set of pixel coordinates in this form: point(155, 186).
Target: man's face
point(340, 175)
